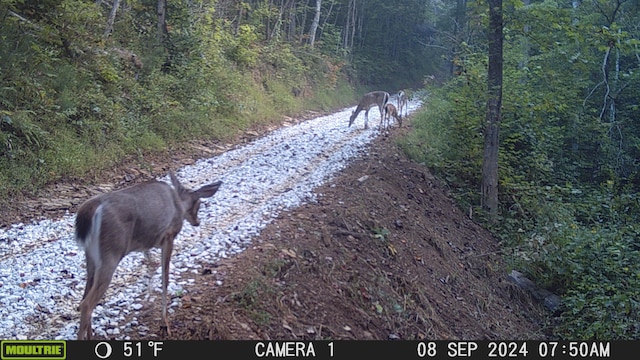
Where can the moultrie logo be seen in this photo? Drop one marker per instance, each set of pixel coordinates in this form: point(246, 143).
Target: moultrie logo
point(33, 349)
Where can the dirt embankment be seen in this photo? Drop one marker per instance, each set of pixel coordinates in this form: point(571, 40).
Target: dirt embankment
point(384, 254)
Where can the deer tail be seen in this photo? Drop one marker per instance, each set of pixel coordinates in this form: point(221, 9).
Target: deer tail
point(88, 224)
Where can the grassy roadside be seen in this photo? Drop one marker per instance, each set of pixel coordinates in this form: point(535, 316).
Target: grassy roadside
point(146, 118)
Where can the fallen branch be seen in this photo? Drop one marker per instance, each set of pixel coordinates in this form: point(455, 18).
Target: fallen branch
point(550, 300)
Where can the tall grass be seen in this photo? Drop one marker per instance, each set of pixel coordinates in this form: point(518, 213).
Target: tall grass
point(430, 140)
point(90, 123)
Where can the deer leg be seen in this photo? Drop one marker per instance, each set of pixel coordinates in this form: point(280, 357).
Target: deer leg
point(100, 278)
point(167, 248)
point(151, 269)
point(83, 331)
point(366, 119)
point(91, 270)
point(385, 119)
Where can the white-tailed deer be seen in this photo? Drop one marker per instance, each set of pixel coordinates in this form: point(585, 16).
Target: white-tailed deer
point(389, 111)
point(402, 102)
point(138, 218)
point(368, 100)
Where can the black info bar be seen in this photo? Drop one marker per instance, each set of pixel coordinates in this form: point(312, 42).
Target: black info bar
point(324, 349)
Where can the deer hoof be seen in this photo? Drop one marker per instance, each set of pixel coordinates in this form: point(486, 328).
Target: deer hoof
point(164, 331)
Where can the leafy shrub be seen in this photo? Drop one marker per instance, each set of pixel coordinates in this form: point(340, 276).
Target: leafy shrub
point(569, 235)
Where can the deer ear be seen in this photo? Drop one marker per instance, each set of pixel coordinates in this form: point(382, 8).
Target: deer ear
point(208, 190)
point(175, 182)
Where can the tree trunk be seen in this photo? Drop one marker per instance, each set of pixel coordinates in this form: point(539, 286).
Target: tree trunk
point(460, 20)
point(354, 19)
point(162, 21)
point(328, 15)
point(489, 191)
point(314, 24)
point(347, 26)
point(112, 18)
point(239, 22)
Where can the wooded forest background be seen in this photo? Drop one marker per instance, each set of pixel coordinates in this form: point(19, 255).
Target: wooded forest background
point(86, 83)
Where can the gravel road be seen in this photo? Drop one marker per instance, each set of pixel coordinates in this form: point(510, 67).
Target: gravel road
point(42, 270)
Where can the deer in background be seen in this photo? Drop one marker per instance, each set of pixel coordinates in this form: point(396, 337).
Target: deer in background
point(368, 100)
point(402, 102)
point(144, 216)
point(389, 111)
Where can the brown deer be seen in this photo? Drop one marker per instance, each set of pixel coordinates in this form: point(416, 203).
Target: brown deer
point(389, 111)
point(144, 216)
point(367, 101)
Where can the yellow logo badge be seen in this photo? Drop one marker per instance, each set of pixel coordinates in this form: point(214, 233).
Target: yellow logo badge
point(33, 349)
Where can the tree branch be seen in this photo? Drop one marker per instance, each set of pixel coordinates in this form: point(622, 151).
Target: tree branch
point(605, 81)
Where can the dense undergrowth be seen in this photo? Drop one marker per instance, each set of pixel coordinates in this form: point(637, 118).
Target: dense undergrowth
point(74, 103)
point(568, 160)
point(573, 236)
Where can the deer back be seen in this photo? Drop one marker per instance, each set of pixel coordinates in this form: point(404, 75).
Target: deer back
point(131, 219)
point(139, 217)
